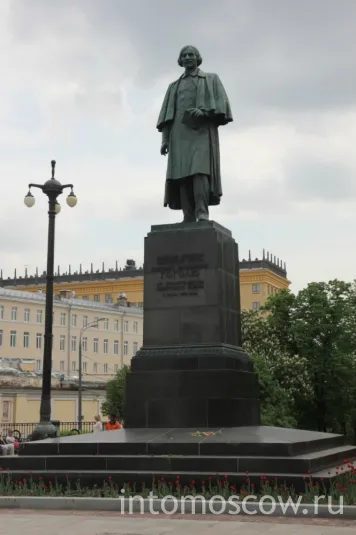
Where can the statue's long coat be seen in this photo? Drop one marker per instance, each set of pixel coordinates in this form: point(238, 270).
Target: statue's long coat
point(210, 97)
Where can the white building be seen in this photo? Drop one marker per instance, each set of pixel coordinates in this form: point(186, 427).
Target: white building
point(105, 348)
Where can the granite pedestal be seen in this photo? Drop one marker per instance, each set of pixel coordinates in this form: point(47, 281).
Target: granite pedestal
point(191, 370)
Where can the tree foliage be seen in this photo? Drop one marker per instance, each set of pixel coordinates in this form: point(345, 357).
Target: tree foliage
point(304, 349)
point(115, 394)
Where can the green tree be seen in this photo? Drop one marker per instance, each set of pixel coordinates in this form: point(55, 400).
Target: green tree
point(283, 377)
point(309, 341)
point(115, 394)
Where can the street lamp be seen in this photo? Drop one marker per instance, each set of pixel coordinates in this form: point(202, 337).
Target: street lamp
point(92, 324)
point(52, 188)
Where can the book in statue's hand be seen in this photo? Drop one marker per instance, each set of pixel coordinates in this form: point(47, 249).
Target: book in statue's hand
point(190, 121)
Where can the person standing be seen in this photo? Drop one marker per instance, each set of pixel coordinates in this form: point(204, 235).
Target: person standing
point(113, 424)
point(98, 426)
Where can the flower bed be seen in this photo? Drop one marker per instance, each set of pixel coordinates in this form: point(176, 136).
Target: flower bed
point(343, 485)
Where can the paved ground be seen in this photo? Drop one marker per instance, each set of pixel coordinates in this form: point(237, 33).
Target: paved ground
point(93, 523)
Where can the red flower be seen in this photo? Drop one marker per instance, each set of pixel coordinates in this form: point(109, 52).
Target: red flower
point(40, 478)
point(225, 476)
point(178, 477)
point(19, 483)
point(209, 478)
point(203, 482)
point(105, 484)
point(193, 482)
point(109, 477)
point(246, 472)
point(0, 468)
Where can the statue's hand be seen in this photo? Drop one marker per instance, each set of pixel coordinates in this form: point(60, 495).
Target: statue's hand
point(196, 112)
point(164, 148)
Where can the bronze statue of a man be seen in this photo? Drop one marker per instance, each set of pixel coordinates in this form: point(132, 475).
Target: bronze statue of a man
point(194, 107)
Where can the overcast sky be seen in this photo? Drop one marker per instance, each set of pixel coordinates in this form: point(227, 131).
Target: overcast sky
point(82, 82)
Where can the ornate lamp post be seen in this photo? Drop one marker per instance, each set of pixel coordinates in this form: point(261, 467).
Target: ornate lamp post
point(52, 188)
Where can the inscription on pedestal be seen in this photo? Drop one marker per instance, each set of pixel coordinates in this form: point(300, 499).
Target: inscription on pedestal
point(180, 275)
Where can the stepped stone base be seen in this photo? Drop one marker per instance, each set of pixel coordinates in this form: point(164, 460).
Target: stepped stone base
point(134, 454)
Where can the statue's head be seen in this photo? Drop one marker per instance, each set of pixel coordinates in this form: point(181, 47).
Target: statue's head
point(189, 57)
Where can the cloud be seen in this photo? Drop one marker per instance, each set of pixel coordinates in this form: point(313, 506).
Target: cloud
point(82, 82)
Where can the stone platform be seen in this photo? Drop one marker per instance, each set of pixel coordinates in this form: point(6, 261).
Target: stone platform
point(135, 454)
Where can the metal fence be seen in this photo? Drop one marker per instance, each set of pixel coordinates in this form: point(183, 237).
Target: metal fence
point(23, 430)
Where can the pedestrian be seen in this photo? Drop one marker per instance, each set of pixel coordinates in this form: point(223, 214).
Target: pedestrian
point(98, 425)
point(113, 423)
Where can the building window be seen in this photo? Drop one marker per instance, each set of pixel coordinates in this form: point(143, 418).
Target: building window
point(6, 410)
point(95, 368)
point(62, 342)
point(106, 324)
point(26, 340)
point(1, 312)
point(96, 345)
point(39, 341)
point(13, 314)
point(126, 326)
point(61, 366)
point(256, 288)
point(135, 348)
point(116, 368)
point(39, 316)
point(255, 305)
point(74, 320)
point(38, 365)
point(106, 346)
point(84, 367)
point(1, 335)
point(116, 325)
point(85, 344)
point(126, 348)
point(108, 298)
point(116, 347)
point(86, 297)
point(97, 298)
point(85, 321)
point(74, 343)
point(106, 369)
point(13, 339)
point(135, 327)
point(26, 316)
point(74, 366)
point(63, 319)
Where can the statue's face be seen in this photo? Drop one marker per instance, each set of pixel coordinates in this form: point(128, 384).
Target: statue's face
point(189, 59)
